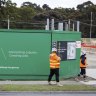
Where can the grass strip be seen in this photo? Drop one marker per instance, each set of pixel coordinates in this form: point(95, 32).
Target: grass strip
point(13, 87)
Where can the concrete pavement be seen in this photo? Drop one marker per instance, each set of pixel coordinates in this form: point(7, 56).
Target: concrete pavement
point(66, 82)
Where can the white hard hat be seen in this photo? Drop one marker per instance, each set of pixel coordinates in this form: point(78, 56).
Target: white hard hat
point(83, 52)
point(54, 49)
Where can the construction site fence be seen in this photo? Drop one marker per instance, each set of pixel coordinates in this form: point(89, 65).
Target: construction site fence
point(89, 48)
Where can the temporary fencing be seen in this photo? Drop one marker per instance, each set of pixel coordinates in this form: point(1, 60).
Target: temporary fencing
point(89, 48)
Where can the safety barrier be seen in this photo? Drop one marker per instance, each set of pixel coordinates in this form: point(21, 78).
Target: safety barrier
point(88, 48)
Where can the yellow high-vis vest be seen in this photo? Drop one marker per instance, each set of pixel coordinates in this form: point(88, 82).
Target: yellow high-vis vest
point(54, 61)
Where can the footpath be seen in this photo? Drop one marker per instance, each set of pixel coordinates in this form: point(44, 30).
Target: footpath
point(70, 81)
point(39, 82)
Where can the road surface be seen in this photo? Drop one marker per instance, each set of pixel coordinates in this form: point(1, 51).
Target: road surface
point(47, 93)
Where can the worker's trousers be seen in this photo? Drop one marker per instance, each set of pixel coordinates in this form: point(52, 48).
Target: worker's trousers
point(52, 72)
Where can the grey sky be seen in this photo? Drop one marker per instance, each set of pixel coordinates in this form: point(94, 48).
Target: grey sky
point(55, 3)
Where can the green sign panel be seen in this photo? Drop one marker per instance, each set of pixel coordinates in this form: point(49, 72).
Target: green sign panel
point(24, 53)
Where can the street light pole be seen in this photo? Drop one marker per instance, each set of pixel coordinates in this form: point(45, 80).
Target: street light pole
point(91, 27)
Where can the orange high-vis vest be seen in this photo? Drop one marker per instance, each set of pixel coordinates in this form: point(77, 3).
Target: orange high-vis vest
point(54, 61)
point(83, 65)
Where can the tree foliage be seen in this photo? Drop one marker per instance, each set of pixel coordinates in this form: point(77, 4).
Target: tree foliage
point(28, 12)
point(2, 2)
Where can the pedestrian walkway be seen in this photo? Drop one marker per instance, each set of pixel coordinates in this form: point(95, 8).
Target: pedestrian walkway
point(93, 82)
point(91, 73)
point(66, 82)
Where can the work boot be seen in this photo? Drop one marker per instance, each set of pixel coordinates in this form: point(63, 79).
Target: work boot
point(58, 84)
point(49, 83)
point(77, 79)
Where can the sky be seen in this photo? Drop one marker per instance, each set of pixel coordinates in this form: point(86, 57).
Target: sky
point(54, 3)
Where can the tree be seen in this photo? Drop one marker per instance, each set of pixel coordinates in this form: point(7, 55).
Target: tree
point(2, 2)
point(26, 13)
point(10, 9)
point(46, 7)
point(82, 7)
point(34, 6)
point(9, 3)
point(28, 4)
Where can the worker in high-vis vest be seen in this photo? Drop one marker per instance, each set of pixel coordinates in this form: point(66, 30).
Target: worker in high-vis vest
point(83, 65)
point(54, 66)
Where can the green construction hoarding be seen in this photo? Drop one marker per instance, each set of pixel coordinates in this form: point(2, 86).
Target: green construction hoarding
point(24, 54)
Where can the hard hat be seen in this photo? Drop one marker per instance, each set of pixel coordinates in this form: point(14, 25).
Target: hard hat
point(83, 52)
point(54, 49)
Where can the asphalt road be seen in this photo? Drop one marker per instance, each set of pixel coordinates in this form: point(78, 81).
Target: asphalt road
point(47, 93)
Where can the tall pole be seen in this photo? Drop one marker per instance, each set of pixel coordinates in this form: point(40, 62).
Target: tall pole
point(52, 24)
point(8, 22)
point(91, 27)
point(69, 24)
point(78, 25)
point(47, 23)
point(73, 26)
